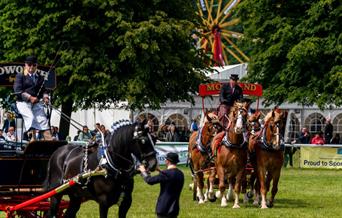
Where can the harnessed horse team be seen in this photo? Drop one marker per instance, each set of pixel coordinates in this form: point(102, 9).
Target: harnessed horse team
point(224, 152)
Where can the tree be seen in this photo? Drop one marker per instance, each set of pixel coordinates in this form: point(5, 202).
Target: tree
point(295, 49)
point(135, 51)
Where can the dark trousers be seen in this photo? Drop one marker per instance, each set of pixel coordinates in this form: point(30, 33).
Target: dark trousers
point(223, 113)
point(167, 216)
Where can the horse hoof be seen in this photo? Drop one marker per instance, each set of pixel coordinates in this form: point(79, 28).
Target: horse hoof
point(191, 186)
point(270, 205)
point(224, 204)
point(230, 196)
point(255, 203)
point(236, 206)
point(213, 199)
point(218, 194)
point(264, 207)
point(200, 202)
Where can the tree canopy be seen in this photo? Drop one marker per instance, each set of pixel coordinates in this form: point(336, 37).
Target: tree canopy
point(111, 50)
point(295, 49)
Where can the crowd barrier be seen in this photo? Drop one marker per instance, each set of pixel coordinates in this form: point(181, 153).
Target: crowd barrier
point(327, 156)
point(181, 148)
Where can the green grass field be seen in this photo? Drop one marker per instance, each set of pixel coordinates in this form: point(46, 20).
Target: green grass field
point(302, 193)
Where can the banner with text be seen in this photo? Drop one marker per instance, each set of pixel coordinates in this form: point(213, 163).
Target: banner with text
point(321, 157)
point(181, 148)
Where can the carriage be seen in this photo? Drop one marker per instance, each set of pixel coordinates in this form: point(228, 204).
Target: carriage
point(38, 170)
point(207, 167)
point(24, 166)
point(24, 163)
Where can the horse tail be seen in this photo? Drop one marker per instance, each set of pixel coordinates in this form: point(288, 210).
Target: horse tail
point(46, 183)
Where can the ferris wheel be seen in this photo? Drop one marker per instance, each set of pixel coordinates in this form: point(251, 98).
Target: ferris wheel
point(221, 31)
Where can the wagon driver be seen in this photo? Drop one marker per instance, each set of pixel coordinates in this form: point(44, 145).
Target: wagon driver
point(230, 92)
point(31, 96)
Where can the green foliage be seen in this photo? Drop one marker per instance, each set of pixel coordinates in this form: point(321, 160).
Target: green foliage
point(112, 50)
point(295, 49)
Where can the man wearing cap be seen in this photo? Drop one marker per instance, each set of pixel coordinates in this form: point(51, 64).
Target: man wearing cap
point(230, 92)
point(171, 183)
point(30, 89)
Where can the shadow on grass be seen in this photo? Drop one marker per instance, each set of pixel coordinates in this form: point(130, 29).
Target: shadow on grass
point(291, 203)
point(283, 203)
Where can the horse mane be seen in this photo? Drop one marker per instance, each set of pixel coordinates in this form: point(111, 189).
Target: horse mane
point(236, 106)
point(276, 113)
point(121, 134)
point(208, 117)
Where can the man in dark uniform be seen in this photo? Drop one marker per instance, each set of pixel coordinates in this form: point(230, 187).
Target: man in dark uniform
point(230, 93)
point(30, 89)
point(171, 185)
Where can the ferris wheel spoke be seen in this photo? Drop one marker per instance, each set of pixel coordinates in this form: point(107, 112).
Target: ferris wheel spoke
point(216, 15)
point(229, 23)
point(232, 34)
point(204, 45)
point(236, 48)
point(224, 9)
point(200, 10)
point(228, 11)
point(233, 4)
point(225, 58)
point(218, 11)
point(232, 53)
point(210, 9)
point(211, 43)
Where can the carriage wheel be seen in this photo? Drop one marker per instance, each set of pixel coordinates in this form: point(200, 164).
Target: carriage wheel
point(220, 31)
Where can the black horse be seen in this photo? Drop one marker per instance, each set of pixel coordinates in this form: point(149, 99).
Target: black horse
point(128, 144)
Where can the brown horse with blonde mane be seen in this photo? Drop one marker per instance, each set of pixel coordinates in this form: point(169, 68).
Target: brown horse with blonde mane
point(268, 145)
point(230, 147)
point(199, 153)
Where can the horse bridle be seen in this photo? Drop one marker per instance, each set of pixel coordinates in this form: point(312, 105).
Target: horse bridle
point(276, 134)
point(137, 135)
point(239, 110)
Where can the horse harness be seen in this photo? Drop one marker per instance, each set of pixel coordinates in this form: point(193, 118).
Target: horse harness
point(204, 149)
point(226, 142)
point(261, 140)
point(107, 162)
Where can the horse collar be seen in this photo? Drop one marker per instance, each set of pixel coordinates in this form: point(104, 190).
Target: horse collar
point(228, 144)
point(199, 144)
point(110, 164)
point(269, 147)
